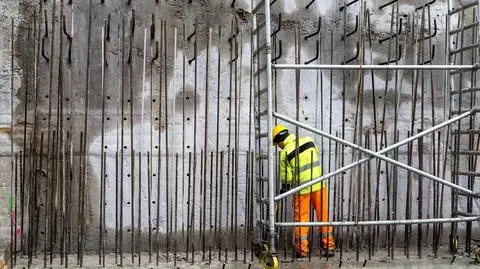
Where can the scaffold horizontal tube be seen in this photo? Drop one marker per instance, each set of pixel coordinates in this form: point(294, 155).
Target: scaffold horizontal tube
point(376, 67)
point(375, 223)
point(463, 7)
point(376, 154)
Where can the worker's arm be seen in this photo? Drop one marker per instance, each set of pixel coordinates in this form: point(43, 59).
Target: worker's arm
point(285, 172)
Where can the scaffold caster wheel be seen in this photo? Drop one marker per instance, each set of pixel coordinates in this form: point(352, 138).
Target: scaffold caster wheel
point(270, 261)
point(477, 255)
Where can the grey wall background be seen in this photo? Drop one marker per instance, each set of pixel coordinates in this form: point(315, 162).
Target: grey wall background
point(314, 106)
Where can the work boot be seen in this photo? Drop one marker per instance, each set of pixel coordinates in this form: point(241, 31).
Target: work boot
point(301, 254)
point(302, 248)
point(328, 253)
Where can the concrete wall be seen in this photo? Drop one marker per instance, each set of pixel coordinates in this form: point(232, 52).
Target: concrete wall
point(149, 133)
point(10, 9)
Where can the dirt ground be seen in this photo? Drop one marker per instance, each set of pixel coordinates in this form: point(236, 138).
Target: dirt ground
point(380, 260)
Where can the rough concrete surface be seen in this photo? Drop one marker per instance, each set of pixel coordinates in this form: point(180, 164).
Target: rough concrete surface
point(380, 260)
point(183, 95)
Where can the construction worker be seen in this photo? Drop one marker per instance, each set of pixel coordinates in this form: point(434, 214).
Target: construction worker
point(298, 166)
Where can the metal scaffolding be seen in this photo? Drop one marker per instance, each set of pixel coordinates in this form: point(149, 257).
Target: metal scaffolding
point(456, 68)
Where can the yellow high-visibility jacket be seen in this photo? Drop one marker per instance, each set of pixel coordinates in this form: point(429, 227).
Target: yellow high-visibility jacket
point(306, 157)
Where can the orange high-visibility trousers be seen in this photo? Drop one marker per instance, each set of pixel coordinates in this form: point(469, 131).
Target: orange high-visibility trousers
point(319, 202)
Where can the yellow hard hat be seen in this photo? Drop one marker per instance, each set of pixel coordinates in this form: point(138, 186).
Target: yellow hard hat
point(279, 133)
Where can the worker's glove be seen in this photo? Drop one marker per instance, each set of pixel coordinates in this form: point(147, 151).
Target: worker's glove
point(285, 188)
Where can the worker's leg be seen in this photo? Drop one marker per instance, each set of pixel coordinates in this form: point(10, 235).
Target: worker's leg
point(301, 205)
point(320, 204)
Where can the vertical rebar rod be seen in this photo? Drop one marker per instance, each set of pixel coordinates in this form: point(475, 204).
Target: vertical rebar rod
point(420, 141)
point(420, 197)
point(12, 159)
point(415, 78)
point(246, 213)
point(117, 196)
point(79, 209)
point(210, 234)
point(142, 130)
point(39, 206)
point(122, 138)
point(229, 119)
point(139, 225)
point(369, 213)
point(205, 142)
point(85, 140)
point(189, 225)
point(102, 145)
point(232, 203)
point(382, 128)
point(342, 133)
point(32, 209)
point(104, 218)
point(149, 190)
point(118, 146)
point(130, 62)
point(32, 203)
point(159, 141)
point(342, 195)
point(227, 208)
point(203, 156)
point(369, 196)
point(82, 199)
point(237, 146)
point(132, 202)
point(183, 141)
point(397, 98)
point(311, 208)
point(217, 140)
point(60, 150)
point(70, 146)
point(297, 113)
point(53, 193)
point(195, 85)
point(395, 196)
point(192, 225)
point(49, 193)
point(149, 157)
point(220, 237)
point(173, 141)
point(13, 210)
point(408, 201)
point(433, 145)
point(23, 183)
point(28, 205)
point(251, 201)
point(203, 197)
point(165, 59)
point(176, 213)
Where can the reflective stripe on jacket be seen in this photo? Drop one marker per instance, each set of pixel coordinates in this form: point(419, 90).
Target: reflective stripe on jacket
point(300, 165)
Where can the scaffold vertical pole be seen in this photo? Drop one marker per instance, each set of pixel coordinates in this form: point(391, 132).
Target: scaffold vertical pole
point(271, 183)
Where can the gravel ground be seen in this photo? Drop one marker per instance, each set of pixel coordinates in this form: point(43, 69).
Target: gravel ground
point(380, 260)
